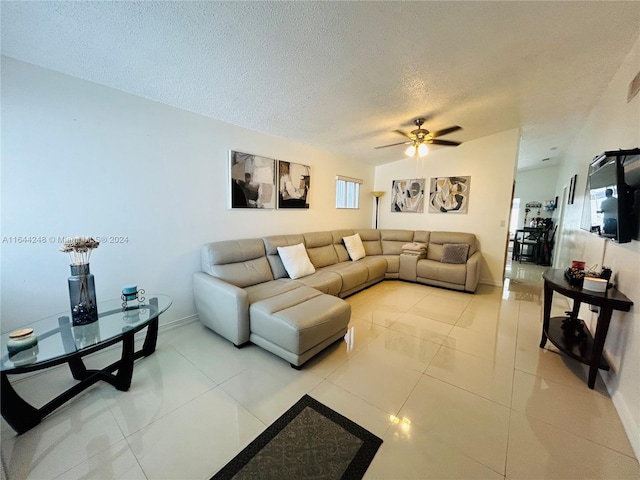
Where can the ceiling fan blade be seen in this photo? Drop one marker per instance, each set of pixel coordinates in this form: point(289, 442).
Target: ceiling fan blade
point(444, 142)
point(404, 134)
point(394, 144)
point(444, 131)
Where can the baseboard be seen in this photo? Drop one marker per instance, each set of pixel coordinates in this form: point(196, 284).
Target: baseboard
point(491, 282)
point(630, 426)
point(163, 327)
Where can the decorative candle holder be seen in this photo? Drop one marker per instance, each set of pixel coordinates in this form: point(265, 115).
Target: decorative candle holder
point(130, 293)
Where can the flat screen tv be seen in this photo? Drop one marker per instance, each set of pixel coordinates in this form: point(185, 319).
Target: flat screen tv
point(611, 207)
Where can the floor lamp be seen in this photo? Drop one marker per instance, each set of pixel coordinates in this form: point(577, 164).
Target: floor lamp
point(377, 195)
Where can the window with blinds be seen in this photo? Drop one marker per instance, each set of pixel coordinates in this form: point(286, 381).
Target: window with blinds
point(347, 192)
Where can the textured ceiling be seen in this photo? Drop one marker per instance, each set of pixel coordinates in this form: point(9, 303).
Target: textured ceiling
point(341, 76)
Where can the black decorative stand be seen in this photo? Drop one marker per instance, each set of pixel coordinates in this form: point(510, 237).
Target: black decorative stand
point(569, 334)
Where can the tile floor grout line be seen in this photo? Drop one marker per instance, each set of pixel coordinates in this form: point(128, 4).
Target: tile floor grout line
point(573, 434)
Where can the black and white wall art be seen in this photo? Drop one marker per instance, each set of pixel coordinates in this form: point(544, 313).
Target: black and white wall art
point(449, 194)
point(407, 195)
point(253, 181)
point(294, 181)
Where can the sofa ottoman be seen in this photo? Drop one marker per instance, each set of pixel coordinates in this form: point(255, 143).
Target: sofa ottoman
point(298, 324)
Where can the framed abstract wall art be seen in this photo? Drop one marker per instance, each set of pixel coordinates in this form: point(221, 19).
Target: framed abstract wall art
point(449, 194)
point(407, 195)
point(253, 181)
point(294, 181)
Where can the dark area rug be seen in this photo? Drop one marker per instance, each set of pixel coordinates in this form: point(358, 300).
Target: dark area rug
point(309, 441)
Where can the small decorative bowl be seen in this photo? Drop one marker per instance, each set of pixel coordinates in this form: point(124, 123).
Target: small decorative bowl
point(20, 340)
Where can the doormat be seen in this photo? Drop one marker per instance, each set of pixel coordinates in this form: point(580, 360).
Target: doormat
point(309, 440)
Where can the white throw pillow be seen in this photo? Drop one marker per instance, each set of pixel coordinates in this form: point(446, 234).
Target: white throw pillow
point(296, 261)
point(354, 247)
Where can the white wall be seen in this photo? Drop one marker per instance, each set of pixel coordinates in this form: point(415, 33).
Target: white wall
point(537, 185)
point(490, 162)
point(613, 124)
point(82, 159)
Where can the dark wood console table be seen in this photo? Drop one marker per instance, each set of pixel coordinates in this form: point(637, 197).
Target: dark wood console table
point(584, 348)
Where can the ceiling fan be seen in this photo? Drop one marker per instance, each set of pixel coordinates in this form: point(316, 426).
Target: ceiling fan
point(420, 137)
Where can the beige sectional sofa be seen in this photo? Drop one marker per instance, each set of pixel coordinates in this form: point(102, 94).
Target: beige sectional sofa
point(244, 293)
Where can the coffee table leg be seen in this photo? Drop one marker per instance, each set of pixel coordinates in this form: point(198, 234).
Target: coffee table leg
point(78, 369)
point(151, 338)
point(125, 367)
point(18, 413)
point(548, 297)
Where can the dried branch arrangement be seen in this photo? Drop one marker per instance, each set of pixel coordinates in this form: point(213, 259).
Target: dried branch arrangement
point(79, 249)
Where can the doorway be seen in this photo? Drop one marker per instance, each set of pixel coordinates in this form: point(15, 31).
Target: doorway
point(515, 215)
point(559, 237)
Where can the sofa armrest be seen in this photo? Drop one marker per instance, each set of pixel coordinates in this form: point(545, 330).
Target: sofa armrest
point(473, 272)
point(222, 307)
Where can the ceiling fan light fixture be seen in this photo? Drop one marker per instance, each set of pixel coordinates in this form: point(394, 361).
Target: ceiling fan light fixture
point(420, 137)
point(411, 151)
point(423, 150)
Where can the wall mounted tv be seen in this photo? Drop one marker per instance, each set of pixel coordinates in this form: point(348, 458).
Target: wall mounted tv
point(611, 207)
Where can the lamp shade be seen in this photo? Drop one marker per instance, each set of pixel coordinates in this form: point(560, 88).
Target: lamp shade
point(422, 149)
point(377, 194)
point(411, 151)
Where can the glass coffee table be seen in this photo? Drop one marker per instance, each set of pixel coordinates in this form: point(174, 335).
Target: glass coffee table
point(60, 342)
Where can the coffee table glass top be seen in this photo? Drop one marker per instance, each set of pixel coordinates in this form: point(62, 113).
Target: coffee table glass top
point(57, 336)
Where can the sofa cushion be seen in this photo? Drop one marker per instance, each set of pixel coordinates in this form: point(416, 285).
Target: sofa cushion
point(377, 267)
point(354, 246)
point(325, 281)
point(320, 249)
point(353, 274)
point(438, 239)
point(296, 261)
point(231, 251)
point(442, 272)
point(299, 320)
point(454, 253)
point(338, 244)
point(239, 262)
point(370, 240)
point(393, 263)
point(264, 290)
point(271, 245)
point(421, 236)
point(393, 240)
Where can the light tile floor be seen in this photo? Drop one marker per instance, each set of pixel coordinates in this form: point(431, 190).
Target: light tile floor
point(454, 383)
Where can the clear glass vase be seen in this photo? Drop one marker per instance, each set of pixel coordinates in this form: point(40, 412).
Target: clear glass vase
point(82, 295)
